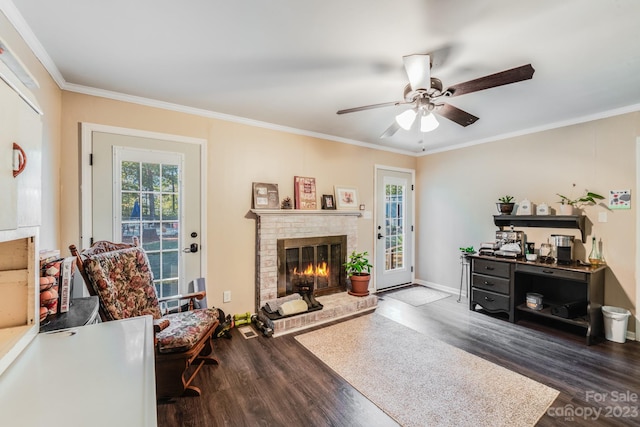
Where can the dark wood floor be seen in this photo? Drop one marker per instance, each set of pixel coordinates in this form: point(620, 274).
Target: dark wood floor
point(276, 382)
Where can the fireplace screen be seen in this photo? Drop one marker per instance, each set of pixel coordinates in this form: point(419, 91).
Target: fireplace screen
point(312, 262)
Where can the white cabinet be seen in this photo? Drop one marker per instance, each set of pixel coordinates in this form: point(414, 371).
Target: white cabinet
point(20, 198)
point(97, 375)
point(8, 132)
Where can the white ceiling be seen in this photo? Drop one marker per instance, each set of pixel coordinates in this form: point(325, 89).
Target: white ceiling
point(294, 63)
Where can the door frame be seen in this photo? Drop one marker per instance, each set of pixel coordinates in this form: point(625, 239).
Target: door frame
point(86, 178)
point(637, 307)
point(412, 172)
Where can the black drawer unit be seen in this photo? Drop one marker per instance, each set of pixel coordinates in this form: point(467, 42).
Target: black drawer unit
point(490, 301)
point(492, 286)
point(491, 283)
point(500, 285)
point(492, 268)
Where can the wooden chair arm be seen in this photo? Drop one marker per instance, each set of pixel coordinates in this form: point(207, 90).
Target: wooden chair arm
point(191, 295)
point(159, 325)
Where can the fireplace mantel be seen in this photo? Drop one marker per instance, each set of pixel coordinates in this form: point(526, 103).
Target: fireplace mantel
point(328, 212)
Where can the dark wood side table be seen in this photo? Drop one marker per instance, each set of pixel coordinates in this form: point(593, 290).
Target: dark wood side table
point(83, 311)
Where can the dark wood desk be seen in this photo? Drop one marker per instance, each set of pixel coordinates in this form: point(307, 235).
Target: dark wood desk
point(83, 311)
point(500, 285)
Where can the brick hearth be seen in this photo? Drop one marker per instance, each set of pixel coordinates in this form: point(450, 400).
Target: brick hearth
point(272, 225)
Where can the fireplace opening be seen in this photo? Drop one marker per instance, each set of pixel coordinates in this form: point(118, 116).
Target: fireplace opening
point(312, 262)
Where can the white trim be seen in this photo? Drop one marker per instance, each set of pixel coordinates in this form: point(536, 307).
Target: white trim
point(412, 172)
point(16, 19)
point(447, 289)
point(583, 119)
point(86, 179)
point(637, 308)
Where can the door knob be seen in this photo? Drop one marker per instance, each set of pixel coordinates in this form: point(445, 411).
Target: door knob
point(380, 236)
point(191, 249)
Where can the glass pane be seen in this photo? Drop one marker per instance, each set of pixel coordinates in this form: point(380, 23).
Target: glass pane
point(169, 178)
point(151, 236)
point(394, 246)
point(129, 231)
point(130, 206)
point(150, 207)
point(169, 264)
point(168, 287)
point(130, 176)
point(169, 206)
point(170, 233)
point(154, 261)
point(150, 177)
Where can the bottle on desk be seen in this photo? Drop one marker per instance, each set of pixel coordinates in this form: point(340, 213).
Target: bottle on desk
point(595, 257)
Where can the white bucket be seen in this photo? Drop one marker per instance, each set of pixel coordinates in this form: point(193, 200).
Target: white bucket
point(615, 323)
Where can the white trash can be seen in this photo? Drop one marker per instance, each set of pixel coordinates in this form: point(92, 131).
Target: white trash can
point(615, 323)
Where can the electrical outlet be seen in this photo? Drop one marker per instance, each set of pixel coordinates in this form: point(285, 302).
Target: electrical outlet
point(602, 217)
point(226, 296)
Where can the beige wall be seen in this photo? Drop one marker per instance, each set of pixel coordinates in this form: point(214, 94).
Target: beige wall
point(457, 191)
point(48, 97)
point(237, 156)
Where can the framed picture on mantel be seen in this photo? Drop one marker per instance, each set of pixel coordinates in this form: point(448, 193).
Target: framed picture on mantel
point(265, 196)
point(304, 190)
point(346, 197)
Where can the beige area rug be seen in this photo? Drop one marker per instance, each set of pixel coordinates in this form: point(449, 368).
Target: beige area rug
point(420, 381)
point(417, 295)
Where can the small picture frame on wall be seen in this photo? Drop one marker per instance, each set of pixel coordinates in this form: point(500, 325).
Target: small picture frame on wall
point(265, 196)
point(328, 202)
point(346, 197)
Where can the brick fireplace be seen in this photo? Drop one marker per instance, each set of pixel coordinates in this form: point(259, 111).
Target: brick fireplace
point(276, 228)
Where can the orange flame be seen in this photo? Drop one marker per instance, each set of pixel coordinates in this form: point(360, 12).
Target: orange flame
point(320, 270)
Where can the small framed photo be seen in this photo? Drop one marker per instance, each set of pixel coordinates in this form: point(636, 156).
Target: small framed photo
point(346, 197)
point(328, 202)
point(265, 196)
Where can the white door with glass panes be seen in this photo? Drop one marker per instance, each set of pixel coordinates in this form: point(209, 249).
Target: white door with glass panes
point(153, 194)
point(394, 227)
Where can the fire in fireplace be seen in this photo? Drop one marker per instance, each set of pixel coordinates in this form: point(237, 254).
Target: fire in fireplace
point(312, 262)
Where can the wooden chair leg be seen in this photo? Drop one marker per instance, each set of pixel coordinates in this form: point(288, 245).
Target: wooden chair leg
point(206, 354)
point(170, 380)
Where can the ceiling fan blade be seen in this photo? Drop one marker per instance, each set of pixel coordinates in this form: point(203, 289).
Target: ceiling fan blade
point(418, 68)
point(370, 107)
point(391, 130)
point(457, 115)
point(506, 77)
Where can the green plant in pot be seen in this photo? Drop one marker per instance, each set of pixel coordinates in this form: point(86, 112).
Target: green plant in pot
point(568, 205)
point(359, 272)
point(505, 205)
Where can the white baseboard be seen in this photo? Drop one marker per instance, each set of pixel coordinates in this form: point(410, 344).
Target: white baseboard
point(448, 289)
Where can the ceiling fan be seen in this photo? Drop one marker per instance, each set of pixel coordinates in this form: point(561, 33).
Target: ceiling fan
point(426, 95)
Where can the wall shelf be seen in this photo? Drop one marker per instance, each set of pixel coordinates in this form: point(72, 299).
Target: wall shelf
point(546, 221)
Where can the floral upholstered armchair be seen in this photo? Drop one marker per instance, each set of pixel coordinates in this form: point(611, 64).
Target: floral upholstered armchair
point(120, 275)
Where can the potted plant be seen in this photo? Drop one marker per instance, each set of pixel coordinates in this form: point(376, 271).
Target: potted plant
point(359, 272)
point(505, 205)
point(568, 205)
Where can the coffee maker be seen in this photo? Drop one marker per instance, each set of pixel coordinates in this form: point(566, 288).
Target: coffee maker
point(564, 248)
point(511, 244)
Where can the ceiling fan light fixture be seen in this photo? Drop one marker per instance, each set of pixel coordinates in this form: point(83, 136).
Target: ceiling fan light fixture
point(428, 122)
point(406, 119)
